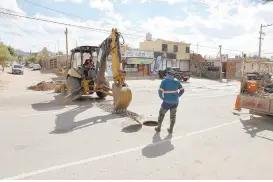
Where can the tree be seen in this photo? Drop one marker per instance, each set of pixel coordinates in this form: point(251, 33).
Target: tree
point(12, 51)
point(4, 55)
point(20, 57)
point(60, 53)
point(45, 52)
point(255, 56)
point(32, 59)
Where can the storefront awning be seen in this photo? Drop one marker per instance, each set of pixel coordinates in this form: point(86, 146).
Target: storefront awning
point(139, 61)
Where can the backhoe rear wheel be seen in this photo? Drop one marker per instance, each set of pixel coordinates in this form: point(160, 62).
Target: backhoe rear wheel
point(101, 94)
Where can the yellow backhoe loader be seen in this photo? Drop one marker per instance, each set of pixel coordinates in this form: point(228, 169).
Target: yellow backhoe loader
point(79, 84)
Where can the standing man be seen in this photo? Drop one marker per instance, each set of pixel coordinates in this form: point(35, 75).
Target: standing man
point(169, 93)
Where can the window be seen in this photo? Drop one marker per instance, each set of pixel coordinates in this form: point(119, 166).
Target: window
point(17, 66)
point(187, 49)
point(164, 47)
point(213, 68)
point(175, 48)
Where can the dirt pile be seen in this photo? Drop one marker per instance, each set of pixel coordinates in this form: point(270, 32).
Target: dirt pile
point(61, 72)
point(43, 86)
point(107, 107)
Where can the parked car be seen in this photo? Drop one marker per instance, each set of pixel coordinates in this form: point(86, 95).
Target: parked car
point(17, 69)
point(30, 65)
point(179, 75)
point(36, 67)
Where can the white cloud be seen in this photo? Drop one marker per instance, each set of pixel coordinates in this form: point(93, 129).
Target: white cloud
point(11, 5)
point(74, 1)
point(102, 4)
point(233, 24)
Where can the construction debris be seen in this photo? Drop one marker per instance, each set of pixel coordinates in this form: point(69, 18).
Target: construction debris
point(107, 107)
point(43, 86)
point(61, 72)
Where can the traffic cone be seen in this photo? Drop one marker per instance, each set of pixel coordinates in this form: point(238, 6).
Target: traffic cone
point(237, 103)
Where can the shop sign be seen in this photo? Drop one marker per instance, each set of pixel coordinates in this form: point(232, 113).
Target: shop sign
point(139, 54)
point(139, 61)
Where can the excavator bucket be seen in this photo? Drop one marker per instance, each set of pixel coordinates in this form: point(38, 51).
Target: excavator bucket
point(122, 96)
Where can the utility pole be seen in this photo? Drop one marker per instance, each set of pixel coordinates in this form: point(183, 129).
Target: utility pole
point(58, 52)
point(260, 41)
point(221, 69)
point(197, 47)
point(260, 38)
point(76, 43)
point(66, 48)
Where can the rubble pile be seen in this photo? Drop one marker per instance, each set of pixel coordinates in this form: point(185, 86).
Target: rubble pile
point(60, 72)
point(107, 107)
point(43, 86)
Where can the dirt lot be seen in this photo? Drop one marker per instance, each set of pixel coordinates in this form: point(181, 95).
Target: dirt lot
point(8, 80)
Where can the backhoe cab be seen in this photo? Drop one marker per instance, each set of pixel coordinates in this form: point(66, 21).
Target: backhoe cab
point(79, 83)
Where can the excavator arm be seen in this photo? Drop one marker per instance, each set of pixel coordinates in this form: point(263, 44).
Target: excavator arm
point(121, 93)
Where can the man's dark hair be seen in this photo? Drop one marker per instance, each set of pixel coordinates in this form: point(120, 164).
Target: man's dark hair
point(87, 60)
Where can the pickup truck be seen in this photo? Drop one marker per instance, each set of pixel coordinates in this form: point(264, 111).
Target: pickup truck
point(17, 69)
point(179, 75)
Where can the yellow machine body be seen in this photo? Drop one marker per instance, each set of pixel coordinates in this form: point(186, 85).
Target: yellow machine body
point(73, 73)
point(120, 91)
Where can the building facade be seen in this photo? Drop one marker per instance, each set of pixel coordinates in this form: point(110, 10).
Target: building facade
point(180, 49)
point(167, 53)
point(54, 62)
point(138, 63)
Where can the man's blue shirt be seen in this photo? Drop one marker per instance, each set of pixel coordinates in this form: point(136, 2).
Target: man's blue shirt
point(170, 90)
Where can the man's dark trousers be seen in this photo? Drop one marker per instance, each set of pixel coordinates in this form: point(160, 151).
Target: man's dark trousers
point(162, 112)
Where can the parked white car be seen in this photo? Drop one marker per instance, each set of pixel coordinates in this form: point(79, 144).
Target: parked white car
point(30, 65)
point(36, 67)
point(17, 69)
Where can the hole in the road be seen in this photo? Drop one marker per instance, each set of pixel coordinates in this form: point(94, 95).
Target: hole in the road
point(150, 123)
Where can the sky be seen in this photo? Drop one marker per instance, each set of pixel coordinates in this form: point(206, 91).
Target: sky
point(205, 24)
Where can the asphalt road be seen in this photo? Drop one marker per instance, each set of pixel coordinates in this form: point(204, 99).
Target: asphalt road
point(44, 137)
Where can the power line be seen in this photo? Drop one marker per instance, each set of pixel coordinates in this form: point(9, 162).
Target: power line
point(68, 24)
point(12, 27)
point(11, 11)
point(65, 13)
point(232, 50)
point(58, 11)
point(99, 30)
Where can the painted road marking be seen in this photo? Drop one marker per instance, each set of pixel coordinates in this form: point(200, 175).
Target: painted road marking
point(57, 167)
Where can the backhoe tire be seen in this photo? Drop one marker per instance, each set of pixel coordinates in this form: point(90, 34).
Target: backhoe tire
point(101, 94)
